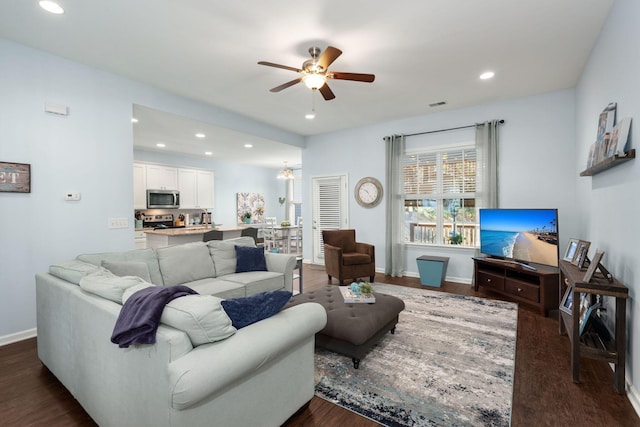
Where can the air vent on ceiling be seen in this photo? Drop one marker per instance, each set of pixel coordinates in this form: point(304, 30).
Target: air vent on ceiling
point(438, 104)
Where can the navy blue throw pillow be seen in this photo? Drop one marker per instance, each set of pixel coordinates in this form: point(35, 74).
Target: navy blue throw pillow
point(250, 259)
point(245, 311)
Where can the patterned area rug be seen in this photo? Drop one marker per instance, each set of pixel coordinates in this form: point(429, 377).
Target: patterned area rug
point(449, 363)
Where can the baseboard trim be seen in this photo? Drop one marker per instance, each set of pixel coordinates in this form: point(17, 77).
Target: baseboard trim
point(633, 396)
point(18, 336)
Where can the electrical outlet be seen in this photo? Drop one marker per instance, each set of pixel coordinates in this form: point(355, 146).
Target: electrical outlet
point(118, 223)
point(72, 196)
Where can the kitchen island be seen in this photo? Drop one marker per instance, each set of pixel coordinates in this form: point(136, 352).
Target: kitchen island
point(161, 238)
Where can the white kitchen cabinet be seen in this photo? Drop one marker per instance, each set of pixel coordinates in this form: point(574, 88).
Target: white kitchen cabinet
point(162, 177)
point(196, 188)
point(205, 189)
point(139, 186)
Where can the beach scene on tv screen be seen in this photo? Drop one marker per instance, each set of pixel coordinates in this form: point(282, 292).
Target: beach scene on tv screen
point(525, 235)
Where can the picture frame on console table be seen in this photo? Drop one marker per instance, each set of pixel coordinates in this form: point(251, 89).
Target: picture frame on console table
point(571, 250)
point(593, 265)
point(581, 254)
point(567, 301)
point(588, 317)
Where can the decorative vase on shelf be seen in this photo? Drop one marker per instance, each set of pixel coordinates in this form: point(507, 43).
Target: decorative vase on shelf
point(247, 220)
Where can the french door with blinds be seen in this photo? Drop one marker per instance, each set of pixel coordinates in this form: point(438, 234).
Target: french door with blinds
point(330, 210)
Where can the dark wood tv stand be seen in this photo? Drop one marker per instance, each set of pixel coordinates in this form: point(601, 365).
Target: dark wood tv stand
point(538, 287)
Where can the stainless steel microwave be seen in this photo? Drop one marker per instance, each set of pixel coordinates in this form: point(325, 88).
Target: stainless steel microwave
point(163, 199)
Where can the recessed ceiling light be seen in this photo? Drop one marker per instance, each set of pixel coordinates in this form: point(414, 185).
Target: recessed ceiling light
point(248, 145)
point(134, 120)
point(487, 75)
point(160, 144)
point(200, 135)
point(51, 7)
point(208, 153)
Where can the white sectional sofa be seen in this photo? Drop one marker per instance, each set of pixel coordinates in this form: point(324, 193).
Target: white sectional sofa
point(260, 375)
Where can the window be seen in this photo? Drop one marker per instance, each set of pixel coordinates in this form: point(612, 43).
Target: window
point(439, 196)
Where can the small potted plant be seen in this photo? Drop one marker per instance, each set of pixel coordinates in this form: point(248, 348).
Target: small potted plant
point(455, 238)
point(366, 289)
point(247, 217)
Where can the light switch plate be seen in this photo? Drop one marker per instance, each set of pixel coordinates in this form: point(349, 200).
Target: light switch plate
point(72, 196)
point(118, 223)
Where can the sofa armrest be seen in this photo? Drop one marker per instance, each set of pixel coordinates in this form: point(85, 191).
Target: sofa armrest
point(366, 248)
point(210, 368)
point(282, 263)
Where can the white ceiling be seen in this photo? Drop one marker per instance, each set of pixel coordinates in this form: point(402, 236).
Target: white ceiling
point(421, 51)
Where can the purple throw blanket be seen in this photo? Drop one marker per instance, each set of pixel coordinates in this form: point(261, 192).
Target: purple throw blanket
point(140, 314)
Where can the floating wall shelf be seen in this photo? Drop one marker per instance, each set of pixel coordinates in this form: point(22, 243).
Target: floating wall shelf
point(609, 162)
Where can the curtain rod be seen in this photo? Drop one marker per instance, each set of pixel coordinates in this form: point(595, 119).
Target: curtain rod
point(501, 122)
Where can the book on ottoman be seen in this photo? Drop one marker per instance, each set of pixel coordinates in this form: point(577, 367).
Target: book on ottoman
point(351, 297)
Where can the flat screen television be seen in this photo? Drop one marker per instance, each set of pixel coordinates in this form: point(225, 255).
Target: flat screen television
point(525, 236)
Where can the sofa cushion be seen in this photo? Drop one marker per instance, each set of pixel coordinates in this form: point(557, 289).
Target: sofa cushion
point(181, 264)
point(107, 285)
point(72, 270)
point(147, 256)
point(223, 253)
point(250, 259)
point(201, 317)
point(246, 311)
point(255, 282)
point(132, 290)
point(128, 268)
point(218, 287)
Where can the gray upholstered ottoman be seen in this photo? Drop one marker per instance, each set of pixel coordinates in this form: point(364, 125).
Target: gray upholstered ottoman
point(352, 329)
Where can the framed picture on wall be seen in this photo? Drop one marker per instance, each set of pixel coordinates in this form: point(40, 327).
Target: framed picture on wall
point(15, 177)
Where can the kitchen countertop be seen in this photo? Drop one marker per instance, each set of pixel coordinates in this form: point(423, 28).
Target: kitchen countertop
point(192, 230)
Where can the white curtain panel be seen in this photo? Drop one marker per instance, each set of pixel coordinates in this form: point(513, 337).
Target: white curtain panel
point(487, 164)
point(394, 246)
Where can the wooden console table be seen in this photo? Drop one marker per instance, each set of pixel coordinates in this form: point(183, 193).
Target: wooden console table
point(592, 343)
point(534, 287)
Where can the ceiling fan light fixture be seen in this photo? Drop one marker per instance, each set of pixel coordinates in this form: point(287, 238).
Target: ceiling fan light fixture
point(314, 81)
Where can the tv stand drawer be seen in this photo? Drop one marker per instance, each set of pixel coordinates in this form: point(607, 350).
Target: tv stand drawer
point(489, 280)
point(523, 290)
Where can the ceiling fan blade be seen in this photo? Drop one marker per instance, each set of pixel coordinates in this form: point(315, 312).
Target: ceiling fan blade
point(326, 92)
point(286, 85)
point(328, 56)
point(284, 67)
point(368, 78)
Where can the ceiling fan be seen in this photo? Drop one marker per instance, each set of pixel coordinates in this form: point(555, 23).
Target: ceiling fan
point(315, 72)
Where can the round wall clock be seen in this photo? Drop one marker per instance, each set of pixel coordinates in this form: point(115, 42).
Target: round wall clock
point(368, 192)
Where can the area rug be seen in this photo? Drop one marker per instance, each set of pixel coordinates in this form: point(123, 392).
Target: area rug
point(449, 363)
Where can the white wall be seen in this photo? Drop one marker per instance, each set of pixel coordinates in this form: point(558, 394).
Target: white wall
point(609, 201)
point(89, 151)
point(537, 151)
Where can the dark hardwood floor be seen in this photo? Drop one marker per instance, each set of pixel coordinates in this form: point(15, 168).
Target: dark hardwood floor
point(543, 393)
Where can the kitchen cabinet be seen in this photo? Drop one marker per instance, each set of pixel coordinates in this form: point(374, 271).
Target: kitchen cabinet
point(162, 177)
point(196, 188)
point(139, 186)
